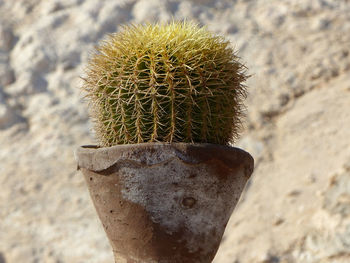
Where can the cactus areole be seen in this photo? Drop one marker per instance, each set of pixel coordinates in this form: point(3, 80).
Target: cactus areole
point(173, 82)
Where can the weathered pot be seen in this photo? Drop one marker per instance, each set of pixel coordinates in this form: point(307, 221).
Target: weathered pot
point(161, 202)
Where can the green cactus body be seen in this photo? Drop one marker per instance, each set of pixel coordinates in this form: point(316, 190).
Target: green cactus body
point(173, 82)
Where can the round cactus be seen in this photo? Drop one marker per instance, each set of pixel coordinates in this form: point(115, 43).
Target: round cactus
point(175, 82)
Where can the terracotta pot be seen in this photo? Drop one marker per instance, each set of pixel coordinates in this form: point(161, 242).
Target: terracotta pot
point(161, 202)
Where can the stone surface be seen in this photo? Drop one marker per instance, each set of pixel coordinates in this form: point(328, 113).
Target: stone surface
point(6, 75)
point(295, 208)
point(6, 38)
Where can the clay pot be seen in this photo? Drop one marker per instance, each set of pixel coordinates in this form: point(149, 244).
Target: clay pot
point(161, 202)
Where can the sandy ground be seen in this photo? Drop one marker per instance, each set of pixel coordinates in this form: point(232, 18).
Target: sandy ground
point(296, 207)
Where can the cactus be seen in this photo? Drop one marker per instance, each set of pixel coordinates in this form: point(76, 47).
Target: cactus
point(174, 82)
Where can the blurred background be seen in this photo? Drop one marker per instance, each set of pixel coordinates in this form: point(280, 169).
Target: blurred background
point(296, 207)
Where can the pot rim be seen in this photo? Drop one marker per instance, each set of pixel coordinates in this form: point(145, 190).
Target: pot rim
point(97, 158)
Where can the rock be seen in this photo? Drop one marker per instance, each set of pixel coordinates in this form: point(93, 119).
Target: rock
point(7, 75)
point(49, 7)
point(187, 9)
point(7, 115)
point(6, 38)
point(145, 10)
point(70, 59)
point(2, 258)
point(253, 146)
point(337, 196)
point(31, 55)
point(113, 15)
point(28, 84)
point(330, 237)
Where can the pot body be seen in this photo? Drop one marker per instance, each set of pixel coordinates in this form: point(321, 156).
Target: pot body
point(161, 202)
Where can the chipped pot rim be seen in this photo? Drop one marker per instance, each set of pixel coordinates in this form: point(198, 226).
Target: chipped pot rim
point(97, 158)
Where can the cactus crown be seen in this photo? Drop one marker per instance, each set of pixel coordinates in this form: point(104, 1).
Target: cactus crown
point(173, 82)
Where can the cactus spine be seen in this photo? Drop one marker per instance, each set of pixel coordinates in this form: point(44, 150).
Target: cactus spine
point(173, 82)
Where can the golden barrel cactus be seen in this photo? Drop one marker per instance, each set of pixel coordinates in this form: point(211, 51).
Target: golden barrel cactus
point(175, 82)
